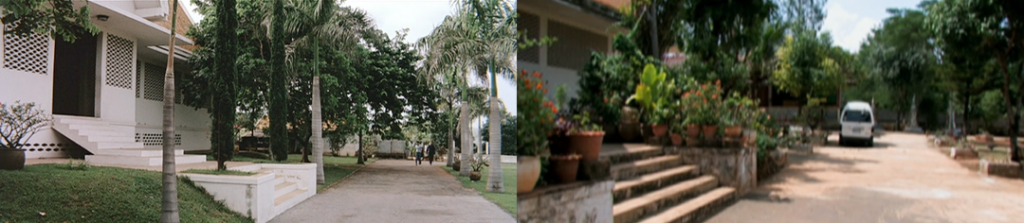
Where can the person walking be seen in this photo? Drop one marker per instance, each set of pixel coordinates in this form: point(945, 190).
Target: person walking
point(419, 153)
point(430, 153)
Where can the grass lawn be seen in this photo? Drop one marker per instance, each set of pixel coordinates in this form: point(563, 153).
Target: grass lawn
point(99, 194)
point(506, 200)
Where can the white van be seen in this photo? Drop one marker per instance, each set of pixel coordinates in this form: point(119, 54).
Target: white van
point(858, 121)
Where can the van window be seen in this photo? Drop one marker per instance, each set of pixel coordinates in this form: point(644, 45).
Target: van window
point(857, 116)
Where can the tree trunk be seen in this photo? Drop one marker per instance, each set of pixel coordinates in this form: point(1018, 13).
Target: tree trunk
point(1011, 110)
point(278, 113)
point(318, 124)
point(451, 138)
point(359, 152)
point(494, 182)
point(465, 135)
point(967, 112)
point(169, 191)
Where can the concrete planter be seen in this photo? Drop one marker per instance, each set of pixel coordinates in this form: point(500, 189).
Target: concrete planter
point(258, 196)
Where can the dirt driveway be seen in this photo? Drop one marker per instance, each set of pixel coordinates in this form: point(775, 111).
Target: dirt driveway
point(397, 191)
point(900, 179)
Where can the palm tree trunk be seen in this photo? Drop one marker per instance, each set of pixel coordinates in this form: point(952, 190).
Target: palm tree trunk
point(451, 138)
point(169, 200)
point(465, 134)
point(494, 181)
point(318, 148)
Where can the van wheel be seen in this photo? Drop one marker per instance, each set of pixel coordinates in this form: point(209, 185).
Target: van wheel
point(871, 142)
point(841, 141)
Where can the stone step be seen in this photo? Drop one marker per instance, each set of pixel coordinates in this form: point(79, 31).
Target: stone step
point(105, 139)
point(284, 188)
point(106, 160)
point(637, 186)
point(696, 209)
point(637, 168)
point(279, 201)
point(622, 153)
point(654, 202)
point(137, 152)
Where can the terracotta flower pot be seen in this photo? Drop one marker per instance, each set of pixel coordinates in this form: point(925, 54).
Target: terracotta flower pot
point(457, 166)
point(565, 168)
point(528, 171)
point(692, 131)
point(474, 176)
point(677, 139)
point(659, 129)
point(733, 131)
point(587, 144)
point(11, 159)
point(710, 131)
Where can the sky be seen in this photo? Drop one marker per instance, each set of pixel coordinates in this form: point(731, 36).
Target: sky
point(851, 21)
point(420, 17)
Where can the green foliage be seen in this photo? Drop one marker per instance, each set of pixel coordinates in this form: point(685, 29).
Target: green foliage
point(225, 94)
point(614, 77)
point(278, 93)
point(991, 107)
point(806, 65)
point(19, 122)
point(53, 18)
point(702, 28)
point(654, 94)
point(583, 123)
point(536, 114)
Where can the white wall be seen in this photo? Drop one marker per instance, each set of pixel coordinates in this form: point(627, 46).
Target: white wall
point(555, 76)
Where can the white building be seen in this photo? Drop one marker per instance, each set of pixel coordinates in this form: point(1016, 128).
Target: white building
point(106, 91)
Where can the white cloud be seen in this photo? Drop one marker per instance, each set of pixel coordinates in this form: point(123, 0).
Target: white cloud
point(848, 29)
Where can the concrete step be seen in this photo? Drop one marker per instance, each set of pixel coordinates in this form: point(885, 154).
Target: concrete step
point(696, 209)
point(109, 133)
point(119, 145)
point(137, 152)
point(102, 160)
point(79, 120)
point(637, 186)
point(277, 180)
point(284, 188)
point(638, 207)
point(86, 128)
point(288, 200)
point(622, 153)
point(631, 169)
point(106, 139)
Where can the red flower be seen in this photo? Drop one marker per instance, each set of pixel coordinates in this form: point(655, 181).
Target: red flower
point(537, 74)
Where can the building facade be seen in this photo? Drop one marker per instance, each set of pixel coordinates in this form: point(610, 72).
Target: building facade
point(105, 91)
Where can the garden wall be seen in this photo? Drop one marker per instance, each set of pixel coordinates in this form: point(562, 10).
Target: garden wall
point(586, 201)
point(734, 167)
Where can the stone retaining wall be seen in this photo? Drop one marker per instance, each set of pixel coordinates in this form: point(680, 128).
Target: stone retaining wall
point(734, 167)
point(1003, 169)
point(587, 201)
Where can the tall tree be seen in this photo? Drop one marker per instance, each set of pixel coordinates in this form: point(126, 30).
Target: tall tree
point(902, 56)
point(169, 204)
point(278, 87)
point(58, 18)
point(225, 94)
point(992, 27)
point(807, 67)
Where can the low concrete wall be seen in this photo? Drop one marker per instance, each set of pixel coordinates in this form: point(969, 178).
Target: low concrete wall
point(734, 167)
point(253, 196)
point(508, 159)
point(587, 201)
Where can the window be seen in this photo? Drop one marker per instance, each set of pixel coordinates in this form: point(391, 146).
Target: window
point(857, 116)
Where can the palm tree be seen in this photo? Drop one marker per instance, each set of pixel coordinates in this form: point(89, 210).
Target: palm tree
point(169, 201)
point(326, 21)
point(496, 29)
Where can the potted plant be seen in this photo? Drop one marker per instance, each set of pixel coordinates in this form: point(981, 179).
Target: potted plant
point(586, 137)
point(18, 122)
point(736, 106)
point(653, 94)
point(677, 134)
point(457, 165)
point(565, 167)
point(478, 164)
point(629, 125)
point(535, 120)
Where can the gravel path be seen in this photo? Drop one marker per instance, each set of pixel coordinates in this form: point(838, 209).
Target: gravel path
point(901, 179)
point(397, 191)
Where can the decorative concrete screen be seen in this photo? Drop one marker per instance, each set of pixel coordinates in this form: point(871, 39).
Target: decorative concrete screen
point(155, 139)
point(120, 57)
point(26, 53)
point(138, 79)
point(153, 82)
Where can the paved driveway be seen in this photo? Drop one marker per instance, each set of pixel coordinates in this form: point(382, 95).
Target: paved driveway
point(900, 179)
point(397, 191)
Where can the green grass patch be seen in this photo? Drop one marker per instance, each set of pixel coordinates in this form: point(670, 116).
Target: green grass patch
point(99, 194)
point(506, 200)
point(220, 172)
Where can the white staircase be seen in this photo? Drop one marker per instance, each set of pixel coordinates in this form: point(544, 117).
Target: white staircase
point(113, 144)
point(287, 193)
